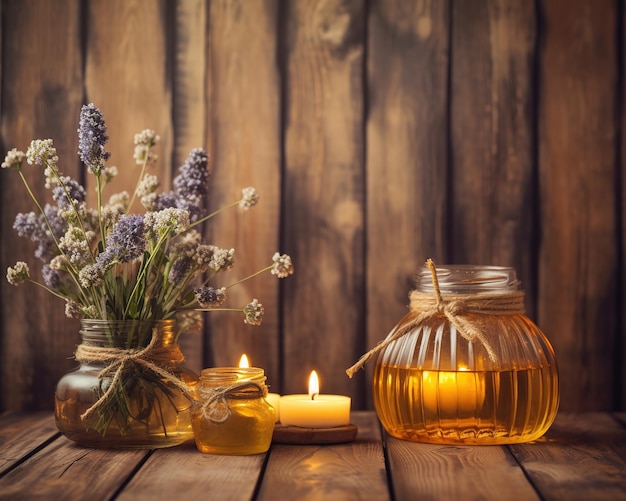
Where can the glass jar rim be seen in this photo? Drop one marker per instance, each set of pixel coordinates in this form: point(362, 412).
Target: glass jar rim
point(469, 279)
point(213, 375)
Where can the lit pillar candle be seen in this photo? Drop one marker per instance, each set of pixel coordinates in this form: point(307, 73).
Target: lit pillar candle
point(453, 393)
point(272, 398)
point(315, 410)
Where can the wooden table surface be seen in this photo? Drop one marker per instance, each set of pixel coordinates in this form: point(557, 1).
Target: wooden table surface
point(583, 456)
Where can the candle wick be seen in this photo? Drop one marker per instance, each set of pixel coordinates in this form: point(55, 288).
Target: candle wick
point(313, 395)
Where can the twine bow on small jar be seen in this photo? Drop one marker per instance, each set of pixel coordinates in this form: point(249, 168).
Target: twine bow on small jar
point(214, 402)
point(456, 308)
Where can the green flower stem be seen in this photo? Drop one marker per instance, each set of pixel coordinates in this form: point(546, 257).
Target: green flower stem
point(74, 272)
point(47, 289)
point(71, 202)
point(250, 276)
point(141, 173)
point(99, 194)
point(213, 214)
point(143, 274)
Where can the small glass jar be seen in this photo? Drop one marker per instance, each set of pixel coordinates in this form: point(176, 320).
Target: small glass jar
point(231, 415)
point(146, 411)
point(466, 365)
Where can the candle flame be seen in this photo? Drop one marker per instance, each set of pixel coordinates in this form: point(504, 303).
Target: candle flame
point(243, 362)
point(314, 385)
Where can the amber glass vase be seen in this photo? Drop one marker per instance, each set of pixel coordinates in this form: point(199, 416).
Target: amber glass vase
point(130, 390)
point(466, 365)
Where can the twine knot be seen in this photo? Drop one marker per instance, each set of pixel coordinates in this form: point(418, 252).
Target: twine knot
point(456, 308)
point(119, 359)
point(214, 401)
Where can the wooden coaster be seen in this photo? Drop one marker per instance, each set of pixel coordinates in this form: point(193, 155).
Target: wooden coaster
point(284, 434)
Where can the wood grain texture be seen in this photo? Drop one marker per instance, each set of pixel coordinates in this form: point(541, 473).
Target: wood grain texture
point(129, 77)
point(22, 434)
point(339, 472)
point(324, 194)
point(244, 141)
point(189, 92)
point(407, 158)
point(427, 471)
point(578, 266)
point(185, 472)
point(41, 99)
point(64, 471)
point(492, 141)
point(582, 456)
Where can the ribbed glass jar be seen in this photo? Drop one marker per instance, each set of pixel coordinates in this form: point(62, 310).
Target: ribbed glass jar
point(232, 415)
point(470, 367)
point(144, 409)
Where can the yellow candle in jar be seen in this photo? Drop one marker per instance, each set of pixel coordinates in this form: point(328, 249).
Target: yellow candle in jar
point(453, 393)
point(272, 398)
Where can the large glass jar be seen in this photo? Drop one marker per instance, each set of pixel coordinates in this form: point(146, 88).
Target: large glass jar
point(130, 390)
point(466, 365)
point(232, 415)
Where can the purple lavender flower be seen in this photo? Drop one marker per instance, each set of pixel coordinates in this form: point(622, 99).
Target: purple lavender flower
point(180, 269)
point(193, 181)
point(51, 277)
point(127, 241)
point(191, 186)
point(209, 297)
point(30, 225)
point(92, 137)
point(72, 190)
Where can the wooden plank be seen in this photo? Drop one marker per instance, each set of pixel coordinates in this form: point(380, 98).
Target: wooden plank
point(324, 194)
point(189, 119)
point(64, 471)
point(578, 264)
point(620, 393)
point(128, 76)
point(407, 159)
point(583, 456)
point(41, 98)
point(22, 434)
point(492, 142)
point(339, 472)
point(170, 473)
point(429, 471)
point(244, 141)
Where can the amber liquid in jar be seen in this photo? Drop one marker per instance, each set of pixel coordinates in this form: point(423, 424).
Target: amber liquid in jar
point(434, 385)
point(250, 426)
point(496, 407)
point(162, 420)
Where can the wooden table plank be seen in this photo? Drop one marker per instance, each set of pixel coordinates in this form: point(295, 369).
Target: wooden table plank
point(339, 472)
point(65, 471)
point(428, 471)
point(583, 456)
point(184, 471)
point(22, 434)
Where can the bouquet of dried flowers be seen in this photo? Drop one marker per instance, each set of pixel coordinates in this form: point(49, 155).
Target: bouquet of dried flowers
point(107, 263)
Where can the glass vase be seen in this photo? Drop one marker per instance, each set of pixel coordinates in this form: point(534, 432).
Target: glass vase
point(130, 390)
point(466, 365)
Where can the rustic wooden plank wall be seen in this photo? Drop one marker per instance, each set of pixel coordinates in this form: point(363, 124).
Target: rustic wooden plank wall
point(378, 133)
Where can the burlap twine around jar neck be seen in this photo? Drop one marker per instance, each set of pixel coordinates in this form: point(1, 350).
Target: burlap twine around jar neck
point(455, 308)
point(152, 357)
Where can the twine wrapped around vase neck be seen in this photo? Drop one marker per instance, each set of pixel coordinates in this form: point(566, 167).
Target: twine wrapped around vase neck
point(118, 359)
point(455, 308)
point(214, 401)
